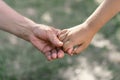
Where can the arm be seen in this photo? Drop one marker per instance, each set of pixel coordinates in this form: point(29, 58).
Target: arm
point(103, 14)
point(14, 23)
point(41, 36)
point(78, 38)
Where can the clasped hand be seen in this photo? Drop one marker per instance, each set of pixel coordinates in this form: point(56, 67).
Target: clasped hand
point(54, 42)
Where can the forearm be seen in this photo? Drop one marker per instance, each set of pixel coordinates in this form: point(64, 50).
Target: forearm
point(13, 22)
point(103, 14)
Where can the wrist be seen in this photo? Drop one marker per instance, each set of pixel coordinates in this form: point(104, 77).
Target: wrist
point(94, 27)
point(24, 29)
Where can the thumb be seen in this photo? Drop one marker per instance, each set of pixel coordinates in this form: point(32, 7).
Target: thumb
point(54, 39)
point(80, 48)
point(57, 31)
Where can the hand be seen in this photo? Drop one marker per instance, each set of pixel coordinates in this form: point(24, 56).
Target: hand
point(41, 36)
point(47, 33)
point(76, 39)
point(49, 50)
point(45, 39)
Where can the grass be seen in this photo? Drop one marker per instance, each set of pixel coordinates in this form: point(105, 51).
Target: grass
point(21, 61)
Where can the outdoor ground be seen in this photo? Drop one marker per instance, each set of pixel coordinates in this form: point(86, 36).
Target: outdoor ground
point(19, 60)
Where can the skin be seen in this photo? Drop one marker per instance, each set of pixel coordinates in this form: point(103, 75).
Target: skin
point(43, 37)
point(77, 38)
point(48, 42)
point(74, 43)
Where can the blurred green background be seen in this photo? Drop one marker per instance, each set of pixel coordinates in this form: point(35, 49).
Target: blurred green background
point(19, 60)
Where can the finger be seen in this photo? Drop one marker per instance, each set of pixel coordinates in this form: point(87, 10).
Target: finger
point(70, 51)
point(63, 31)
point(67, 45)
point(47, 48)
point(54, 54)
point(48, 56)
point(54, 40)
point(60, 53)
point(62, 36)
point(57, 31)
point(39, 44)
point(79, 49)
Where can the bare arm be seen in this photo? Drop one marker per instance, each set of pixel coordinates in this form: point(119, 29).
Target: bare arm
point(41, 36)
point(13, 22)
point(78, 38)
point(103, 14)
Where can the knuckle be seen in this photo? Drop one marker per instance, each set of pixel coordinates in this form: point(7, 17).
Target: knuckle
point(65, 48)
point(49, 31)
point(77, 52)
point(85, 46)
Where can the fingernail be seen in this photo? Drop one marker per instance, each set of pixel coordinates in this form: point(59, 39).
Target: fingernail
point(71, 54)
point(60, 43)
point(70, 50)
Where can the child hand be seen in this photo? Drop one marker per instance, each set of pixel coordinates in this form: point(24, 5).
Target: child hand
point(76, 39)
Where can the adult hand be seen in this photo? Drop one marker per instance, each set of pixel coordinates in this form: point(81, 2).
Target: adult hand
point(41, 36)
point(45, 39)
